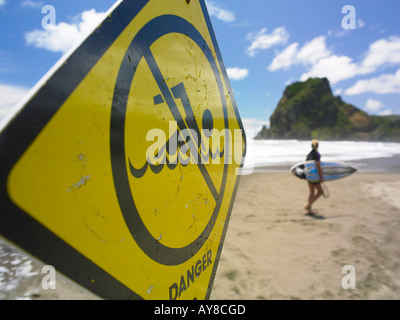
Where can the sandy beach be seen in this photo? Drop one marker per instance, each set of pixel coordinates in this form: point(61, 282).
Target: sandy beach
point(273, 251)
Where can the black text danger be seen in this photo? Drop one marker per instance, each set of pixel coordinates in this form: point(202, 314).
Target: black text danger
point(194, 272)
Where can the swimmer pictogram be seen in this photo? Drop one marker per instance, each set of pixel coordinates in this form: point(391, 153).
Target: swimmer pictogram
point(140, 48)
point(203, 153)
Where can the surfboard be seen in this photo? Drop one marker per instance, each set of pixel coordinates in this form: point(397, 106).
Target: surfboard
point(332, 170)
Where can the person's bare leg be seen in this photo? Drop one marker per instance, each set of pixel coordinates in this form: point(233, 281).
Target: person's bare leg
point(310, 198)
point(314, 197)
point(319, 192)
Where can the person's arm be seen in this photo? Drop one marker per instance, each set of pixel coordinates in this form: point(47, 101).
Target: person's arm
point(319, 169)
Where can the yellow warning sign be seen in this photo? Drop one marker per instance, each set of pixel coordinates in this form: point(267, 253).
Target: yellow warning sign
point(127, 159)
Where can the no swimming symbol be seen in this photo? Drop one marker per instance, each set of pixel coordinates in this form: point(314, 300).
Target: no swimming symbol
point(140, 49)
point(185, 142)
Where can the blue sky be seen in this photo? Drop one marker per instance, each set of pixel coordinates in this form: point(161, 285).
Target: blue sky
point(265, 46)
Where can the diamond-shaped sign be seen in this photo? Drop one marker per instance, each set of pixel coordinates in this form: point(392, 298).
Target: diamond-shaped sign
point(121, 170)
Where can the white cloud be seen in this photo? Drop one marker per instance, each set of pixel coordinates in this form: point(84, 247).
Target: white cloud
point(285, 59)
point(335, 68)
point(263, 41)
point(253, 126)
point(237, 73)
point(382, 52)
point(360, 23)
point(290, 81)
point(385, 113)
point(373, 105)
point(322, 62)
point(386, 83)
point(2, 2)
point(31, 4)
point(10, 96)
point(309, 54)
point(318, 58)
point(338, 91)
point(314, 51)
point(61, 37)
point(220, 13)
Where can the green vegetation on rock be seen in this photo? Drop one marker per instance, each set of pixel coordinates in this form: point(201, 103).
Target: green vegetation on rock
point(309, 110)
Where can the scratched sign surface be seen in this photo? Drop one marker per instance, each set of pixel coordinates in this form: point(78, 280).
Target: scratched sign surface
point(121, 170)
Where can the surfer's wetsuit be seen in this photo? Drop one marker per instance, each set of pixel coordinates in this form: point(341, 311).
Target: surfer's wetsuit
point(314, 155)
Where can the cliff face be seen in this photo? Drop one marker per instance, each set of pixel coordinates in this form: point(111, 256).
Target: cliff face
point(309, 110)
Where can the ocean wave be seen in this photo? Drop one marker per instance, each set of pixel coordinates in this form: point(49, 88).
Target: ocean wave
point(262, 153)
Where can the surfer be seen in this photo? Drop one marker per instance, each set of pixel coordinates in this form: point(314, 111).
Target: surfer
point(315, 187)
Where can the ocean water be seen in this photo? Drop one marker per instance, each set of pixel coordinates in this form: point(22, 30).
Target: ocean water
point(280, 155)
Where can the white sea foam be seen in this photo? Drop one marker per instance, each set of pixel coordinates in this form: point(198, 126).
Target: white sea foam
point(270, 153)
